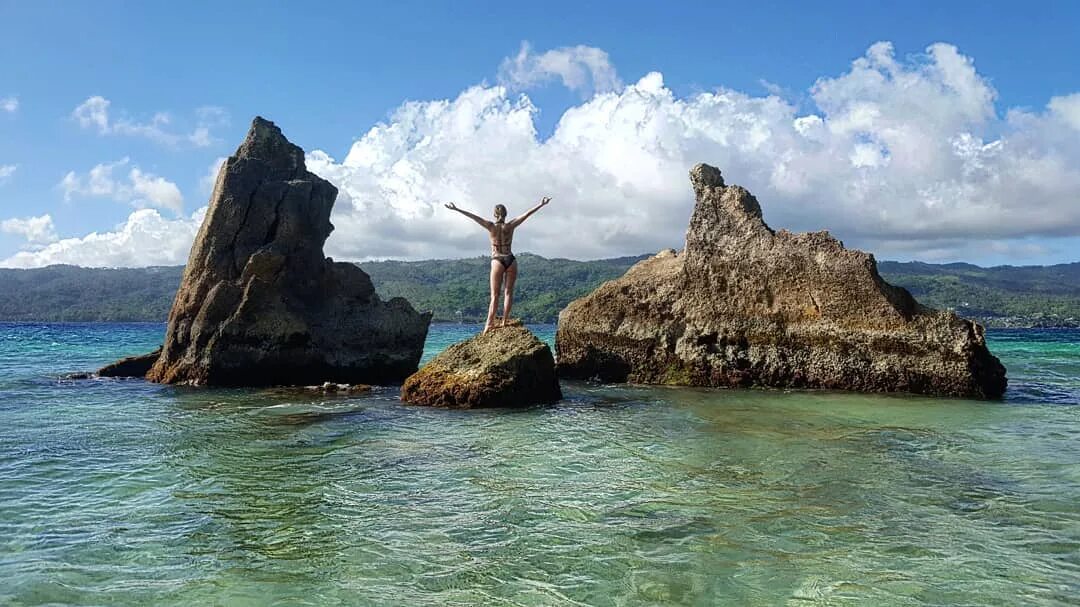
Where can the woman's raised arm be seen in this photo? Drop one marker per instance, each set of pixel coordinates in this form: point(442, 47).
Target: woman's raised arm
point(480, 220)
point(521, 219)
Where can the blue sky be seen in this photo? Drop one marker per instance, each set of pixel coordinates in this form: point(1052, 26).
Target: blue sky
point(166, 90)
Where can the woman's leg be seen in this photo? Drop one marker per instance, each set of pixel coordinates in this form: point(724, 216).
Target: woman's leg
point(508, 291)
point(496, 284)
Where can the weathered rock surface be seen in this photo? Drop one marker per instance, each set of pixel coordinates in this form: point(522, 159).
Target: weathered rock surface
point(506, 367)
point(260, 304)
point(743, 305)
point(132, 366)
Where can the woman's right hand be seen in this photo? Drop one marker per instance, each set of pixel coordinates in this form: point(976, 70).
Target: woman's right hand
point(450, 206)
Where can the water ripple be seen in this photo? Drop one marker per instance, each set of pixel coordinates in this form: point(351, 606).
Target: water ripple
point(129, 493)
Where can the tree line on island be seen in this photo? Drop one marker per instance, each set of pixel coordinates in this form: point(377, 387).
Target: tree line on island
point(455, 290)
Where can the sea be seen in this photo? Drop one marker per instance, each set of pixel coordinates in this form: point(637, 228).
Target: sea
point(123, 492)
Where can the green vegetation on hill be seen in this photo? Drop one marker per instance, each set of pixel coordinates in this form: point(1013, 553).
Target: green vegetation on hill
point(74, 294)
point(457, 290)
point(1001, 296)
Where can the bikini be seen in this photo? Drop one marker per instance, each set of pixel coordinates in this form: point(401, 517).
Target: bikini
point(506, 259)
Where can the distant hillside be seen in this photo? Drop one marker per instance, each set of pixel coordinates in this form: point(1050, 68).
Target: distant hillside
point(71, 293)
point(1020, 296)
point(456, 290)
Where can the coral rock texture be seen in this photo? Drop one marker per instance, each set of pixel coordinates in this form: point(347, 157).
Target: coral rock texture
point(744, 305)
point(505, 367)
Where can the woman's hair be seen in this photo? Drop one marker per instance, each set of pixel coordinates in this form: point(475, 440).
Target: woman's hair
point(500, 212)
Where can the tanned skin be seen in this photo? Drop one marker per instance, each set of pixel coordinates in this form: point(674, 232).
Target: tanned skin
point(501, 233)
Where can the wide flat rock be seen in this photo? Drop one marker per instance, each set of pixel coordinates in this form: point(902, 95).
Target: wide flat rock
point(505, 367)
point(744, 305)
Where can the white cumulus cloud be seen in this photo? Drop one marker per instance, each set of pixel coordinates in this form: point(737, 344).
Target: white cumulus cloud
point(584, 69)
point(144, 239)
point(36, 230)
point(896, 156)
point(1067, 109)
point(155, 191)
point(9, 104)
point(95, 113)
point(140, 189)
point(906, 156)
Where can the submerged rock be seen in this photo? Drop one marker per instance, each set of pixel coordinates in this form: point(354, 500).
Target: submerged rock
point(505, 367)
point(260, 304)
point(132, 366)
point(326, 388)
point(743, 305)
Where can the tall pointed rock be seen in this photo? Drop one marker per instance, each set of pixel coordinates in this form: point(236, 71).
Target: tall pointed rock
point(260, 304)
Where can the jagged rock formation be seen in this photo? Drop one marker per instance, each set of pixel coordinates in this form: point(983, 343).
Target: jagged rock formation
point(506, 367)
point(259, 303)
point(743, 305)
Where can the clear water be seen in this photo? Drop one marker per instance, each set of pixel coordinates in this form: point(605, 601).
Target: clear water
point(128, 493)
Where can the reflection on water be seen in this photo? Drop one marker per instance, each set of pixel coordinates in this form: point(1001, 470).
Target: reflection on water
point(122, 492)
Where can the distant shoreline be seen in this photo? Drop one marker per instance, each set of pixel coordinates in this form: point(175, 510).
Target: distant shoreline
point(456, 290)
point(477, 324)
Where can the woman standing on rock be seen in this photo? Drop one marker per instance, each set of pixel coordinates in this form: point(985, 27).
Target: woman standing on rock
point(503, 262)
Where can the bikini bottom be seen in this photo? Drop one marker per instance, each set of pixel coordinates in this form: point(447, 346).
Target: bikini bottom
point(506, 260)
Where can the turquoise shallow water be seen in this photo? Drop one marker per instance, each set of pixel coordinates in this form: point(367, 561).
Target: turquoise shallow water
point(128, 493)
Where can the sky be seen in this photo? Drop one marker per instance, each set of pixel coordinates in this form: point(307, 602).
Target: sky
point(933, 131)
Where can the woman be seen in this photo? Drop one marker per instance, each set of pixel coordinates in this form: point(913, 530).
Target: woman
point(503, 263)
